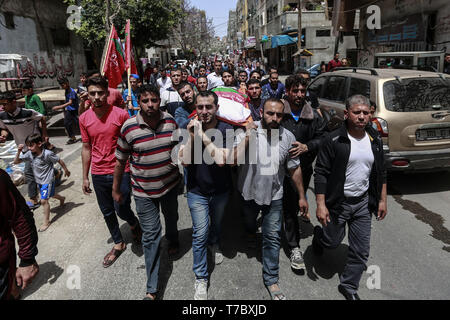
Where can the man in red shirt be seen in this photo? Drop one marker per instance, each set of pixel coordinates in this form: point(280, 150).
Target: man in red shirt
point(100, 128)
point(335, 63)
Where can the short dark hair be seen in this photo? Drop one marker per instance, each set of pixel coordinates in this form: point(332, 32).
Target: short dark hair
point(243, 71)
point(175, 70)
point(93, 72)
point(27, 84)
point(276, 72)
point(33, 138)
point(253, 81)
point(149, 88)
point(184, 84)
point(272, 100)
point(300, 71)
point(253, 72)
point(202, 67)
point(83, 74)
point(227, 71)
point(8, 95)
point(63, 80)
point(202, 77)
point(295, 80)
point(97, 81)
point(208, 93)
point(373, 104)
point(273, 68)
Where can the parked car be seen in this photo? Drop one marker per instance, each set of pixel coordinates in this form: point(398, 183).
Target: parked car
point(412, 116)
point(314, 70)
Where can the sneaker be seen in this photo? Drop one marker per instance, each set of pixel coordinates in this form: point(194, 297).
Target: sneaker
point(297, 259)
point(217, 253)
point(201, 289)
point(71, 141)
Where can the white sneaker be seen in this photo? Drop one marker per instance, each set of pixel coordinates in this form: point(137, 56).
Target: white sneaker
point(217, 253)
point(201, 289)
point(297, 261)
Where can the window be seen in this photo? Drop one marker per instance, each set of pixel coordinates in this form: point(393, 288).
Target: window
point(323, 33)
point(359, 86)
point(316, 86)
point(335, 89)
point(9, 20)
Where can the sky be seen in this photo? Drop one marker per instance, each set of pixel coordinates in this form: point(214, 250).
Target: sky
point(218, 11)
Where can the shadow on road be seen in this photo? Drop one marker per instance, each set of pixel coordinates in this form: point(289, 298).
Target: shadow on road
point(60, 211)
point(326, 266)
point(64, 186)
point(49, 272)
point(418, 183)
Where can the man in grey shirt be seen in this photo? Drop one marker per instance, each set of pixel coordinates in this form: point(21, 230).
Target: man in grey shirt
point(265, 146)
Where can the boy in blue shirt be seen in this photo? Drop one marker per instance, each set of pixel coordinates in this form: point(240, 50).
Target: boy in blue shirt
point(134, 108)
point(70, 109)
point(42, 162)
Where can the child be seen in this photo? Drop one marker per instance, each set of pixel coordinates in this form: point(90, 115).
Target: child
point(42, 162)
point(70, 109)
point(32, 101)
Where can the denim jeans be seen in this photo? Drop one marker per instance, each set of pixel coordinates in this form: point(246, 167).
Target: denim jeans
point(202, 209)
point(148, 213)
point(271, 233)
point(103, 190)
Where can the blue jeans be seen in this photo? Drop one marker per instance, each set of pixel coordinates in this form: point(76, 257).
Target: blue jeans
point(202, 209)
point(271, 233)
point(103, 190)
point(148, 213)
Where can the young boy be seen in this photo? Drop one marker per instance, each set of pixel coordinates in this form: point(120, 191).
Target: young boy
point(42, 162)
point(32, 101)
point(70, 109)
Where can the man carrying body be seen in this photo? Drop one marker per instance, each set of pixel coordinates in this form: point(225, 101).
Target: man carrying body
point(154, 178)
point(255, 103)
point(228, 80)
point(21, 123)
point(215, 78)
point(100, 128)
point(308, 128)
point(350, 185)
point(208, 187)
point(170, 99)
point(261, 184)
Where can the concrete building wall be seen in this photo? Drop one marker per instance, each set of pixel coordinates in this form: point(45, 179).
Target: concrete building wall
point(53, 50)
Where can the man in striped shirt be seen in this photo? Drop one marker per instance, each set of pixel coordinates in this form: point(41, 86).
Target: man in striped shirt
point(147, 141)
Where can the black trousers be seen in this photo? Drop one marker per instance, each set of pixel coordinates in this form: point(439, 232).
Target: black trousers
point(291, 208)
point(70, 120)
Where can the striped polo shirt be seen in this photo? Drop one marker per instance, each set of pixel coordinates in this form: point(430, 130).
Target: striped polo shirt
point(152, 172)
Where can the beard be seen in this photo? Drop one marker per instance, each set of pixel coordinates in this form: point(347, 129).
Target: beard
point(271, 125)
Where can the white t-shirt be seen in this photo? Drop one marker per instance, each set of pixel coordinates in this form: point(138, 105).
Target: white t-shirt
point(359, 167)
point(163, 85)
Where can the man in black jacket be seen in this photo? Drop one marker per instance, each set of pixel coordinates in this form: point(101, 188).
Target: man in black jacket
point(350, 185)
point(308, 128)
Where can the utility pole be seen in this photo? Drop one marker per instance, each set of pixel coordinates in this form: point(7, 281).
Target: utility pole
point(327, 16)
point(299, 43)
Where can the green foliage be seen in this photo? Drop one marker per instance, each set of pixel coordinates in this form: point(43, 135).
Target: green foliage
point(151, 20)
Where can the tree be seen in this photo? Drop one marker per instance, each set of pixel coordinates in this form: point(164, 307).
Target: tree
point(151, 20)
point(194, 32)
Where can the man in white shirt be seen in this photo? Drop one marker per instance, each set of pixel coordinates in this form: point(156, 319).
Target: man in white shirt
point(164, 82)
point(170, 99)
point(215, 78)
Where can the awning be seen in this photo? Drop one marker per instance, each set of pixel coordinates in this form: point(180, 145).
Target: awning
point(282, 40)
point(7, 61)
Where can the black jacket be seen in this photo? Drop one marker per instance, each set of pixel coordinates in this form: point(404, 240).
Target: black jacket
point(309, 129)
point(331, 166)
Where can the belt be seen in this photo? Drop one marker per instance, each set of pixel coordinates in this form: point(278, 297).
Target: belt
point(354, 200)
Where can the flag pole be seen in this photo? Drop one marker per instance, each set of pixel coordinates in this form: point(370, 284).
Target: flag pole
point(130, 103)
point(105, 53)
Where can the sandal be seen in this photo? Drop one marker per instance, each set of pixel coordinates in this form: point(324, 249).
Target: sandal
point(153, 296)
point(276, 295)
point(114, 252)
point(33, 206)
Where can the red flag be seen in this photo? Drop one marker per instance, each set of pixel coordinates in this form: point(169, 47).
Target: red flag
point(114, 65)
point(128, 52)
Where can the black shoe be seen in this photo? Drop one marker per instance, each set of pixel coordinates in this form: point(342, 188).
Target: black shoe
point(71, 141)
point(317, 247)
point(348, 295)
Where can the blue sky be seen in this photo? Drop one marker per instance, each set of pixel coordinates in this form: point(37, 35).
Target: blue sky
point(218, 11)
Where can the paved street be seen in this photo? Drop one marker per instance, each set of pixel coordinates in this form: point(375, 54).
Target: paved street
point(411, 248)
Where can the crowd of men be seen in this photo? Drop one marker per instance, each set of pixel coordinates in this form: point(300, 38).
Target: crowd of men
point(132, 147)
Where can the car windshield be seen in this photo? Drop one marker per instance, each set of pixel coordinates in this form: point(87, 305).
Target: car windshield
point(417, 94)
